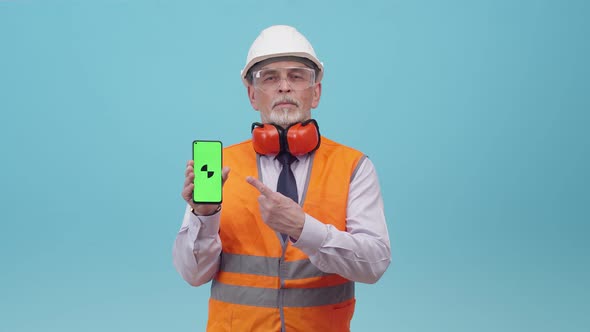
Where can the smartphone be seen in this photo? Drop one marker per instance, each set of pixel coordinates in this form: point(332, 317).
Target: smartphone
point(207, 156)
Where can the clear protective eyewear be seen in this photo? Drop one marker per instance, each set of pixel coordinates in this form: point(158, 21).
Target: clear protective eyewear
point(298, 78)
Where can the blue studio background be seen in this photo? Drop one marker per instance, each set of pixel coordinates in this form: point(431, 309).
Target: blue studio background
point(475, 114)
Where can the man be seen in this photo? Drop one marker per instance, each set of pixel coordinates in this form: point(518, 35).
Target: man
point(302, 216)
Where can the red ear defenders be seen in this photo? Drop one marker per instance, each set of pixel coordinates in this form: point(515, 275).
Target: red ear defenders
point(298, 139)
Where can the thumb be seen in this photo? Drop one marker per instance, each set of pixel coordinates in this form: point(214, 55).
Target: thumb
point(224, 174)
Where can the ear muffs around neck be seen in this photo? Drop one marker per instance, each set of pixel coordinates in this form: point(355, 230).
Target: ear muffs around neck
point(298, 139)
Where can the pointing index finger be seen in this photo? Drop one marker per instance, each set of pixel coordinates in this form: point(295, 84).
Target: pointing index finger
point(264, 190)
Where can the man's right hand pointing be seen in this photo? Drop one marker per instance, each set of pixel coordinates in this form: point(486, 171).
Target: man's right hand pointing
point(278, 211)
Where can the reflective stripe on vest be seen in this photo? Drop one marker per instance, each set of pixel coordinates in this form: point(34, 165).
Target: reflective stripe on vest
point(292, 297)
point(266, 266)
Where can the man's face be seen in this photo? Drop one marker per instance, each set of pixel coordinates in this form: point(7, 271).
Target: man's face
point(283, 105)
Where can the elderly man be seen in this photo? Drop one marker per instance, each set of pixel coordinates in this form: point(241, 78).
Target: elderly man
point(302, 216)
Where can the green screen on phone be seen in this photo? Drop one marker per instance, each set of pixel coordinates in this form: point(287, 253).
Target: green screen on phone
point(207, 156)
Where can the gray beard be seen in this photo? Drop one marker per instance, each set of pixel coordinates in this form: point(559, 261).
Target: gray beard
point(284, 117)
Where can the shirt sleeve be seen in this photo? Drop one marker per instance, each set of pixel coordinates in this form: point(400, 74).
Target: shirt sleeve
point(197, 248)
point(361, 253)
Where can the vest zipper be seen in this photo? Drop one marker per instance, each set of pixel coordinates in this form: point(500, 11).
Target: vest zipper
point(282, 285)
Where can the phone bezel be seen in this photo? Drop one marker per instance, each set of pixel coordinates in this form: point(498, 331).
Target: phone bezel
point(221, 163)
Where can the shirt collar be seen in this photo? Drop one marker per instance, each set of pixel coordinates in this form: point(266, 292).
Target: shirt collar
point(272, 157)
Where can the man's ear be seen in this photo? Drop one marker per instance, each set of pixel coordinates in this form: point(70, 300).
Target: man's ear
point(252, 97)
point(317, 93)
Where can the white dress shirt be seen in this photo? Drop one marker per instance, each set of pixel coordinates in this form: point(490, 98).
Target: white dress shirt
point(361, 253)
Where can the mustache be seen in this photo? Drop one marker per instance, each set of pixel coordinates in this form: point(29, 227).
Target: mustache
point(284, 99)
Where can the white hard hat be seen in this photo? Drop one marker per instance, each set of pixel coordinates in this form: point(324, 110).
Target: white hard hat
point(280, 41)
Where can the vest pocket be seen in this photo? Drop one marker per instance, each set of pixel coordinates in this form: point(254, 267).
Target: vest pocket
point(341, 315)
point(246, 318)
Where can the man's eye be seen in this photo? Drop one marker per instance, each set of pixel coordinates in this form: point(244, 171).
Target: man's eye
point(270, 78)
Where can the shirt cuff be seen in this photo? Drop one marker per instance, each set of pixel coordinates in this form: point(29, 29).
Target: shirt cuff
point(206, 226)
point(312, 236)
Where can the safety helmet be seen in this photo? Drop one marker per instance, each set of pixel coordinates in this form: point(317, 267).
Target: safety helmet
point(280, 41)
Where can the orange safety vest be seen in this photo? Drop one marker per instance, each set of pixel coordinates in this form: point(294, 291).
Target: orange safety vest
point(263, 285)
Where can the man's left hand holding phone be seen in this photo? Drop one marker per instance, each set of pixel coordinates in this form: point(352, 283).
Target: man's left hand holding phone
point(204, 178)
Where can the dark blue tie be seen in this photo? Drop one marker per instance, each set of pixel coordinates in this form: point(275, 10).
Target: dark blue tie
point(286, 184)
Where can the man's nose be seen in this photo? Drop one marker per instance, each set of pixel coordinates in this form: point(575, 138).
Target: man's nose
point(284, 85)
